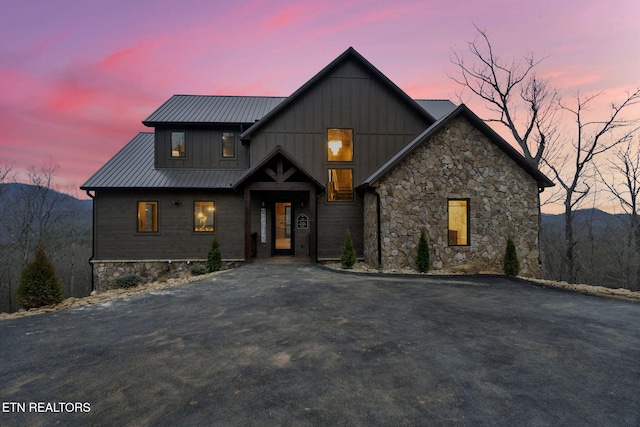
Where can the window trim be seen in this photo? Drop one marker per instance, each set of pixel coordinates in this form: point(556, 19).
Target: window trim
point(326, 145)
point(157, 216)
point(353, 190)
point(194, 229)
point(186, 151)
point(468, 221)
point(235, 146)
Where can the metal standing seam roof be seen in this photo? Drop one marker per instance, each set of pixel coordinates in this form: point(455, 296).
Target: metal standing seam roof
point(133, 167)
point(438, 108)
point(213, 109)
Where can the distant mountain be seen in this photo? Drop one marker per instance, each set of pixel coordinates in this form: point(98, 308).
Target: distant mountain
point(601, 221)
point(78, 213)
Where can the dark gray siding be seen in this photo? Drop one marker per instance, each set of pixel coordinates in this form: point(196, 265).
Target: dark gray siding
point(349, 97)
point(203, 148)
point(332, 227)
point(117, 238)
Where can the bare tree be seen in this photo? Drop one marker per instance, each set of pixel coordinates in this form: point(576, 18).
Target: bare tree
point(625, 166)
point(589, 139)
point(517, 98)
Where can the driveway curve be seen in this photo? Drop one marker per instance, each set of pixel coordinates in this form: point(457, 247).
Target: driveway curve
point(300, 345)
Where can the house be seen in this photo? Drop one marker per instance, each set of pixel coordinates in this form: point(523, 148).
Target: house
point(287, 176)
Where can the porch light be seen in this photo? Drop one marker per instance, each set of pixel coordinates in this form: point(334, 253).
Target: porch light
point(335, 146)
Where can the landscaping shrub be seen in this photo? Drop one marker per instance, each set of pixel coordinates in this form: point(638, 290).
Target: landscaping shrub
point(422, 260)
point(128, 280)
point(510, 263)
point(348, 256)
point(198, 269)
point(39, 285)
point(214, 259)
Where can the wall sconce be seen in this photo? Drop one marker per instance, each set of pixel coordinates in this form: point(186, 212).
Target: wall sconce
point(302, 203)
point(263, 205)
point(176, 202)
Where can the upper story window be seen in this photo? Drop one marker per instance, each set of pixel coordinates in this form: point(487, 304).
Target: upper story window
point(203, 216)
point(228, 144)
point(147, 217)
point(340, 185)
point(178, 145)
point(458, 222)
point(340, 145)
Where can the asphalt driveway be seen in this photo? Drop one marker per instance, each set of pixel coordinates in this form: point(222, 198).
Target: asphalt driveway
point(299, 345)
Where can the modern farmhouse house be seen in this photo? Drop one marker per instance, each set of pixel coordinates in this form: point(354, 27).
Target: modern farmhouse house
point(287, 176)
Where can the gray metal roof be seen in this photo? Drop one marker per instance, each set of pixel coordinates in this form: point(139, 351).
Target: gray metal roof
point(213, 109)
point(133, 167)
point(438, 108)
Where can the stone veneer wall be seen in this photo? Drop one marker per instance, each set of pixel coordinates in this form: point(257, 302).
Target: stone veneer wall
point(105, 273)
point(456, 162)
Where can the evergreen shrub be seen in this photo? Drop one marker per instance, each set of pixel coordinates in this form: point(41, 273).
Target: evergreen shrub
point(510, 263)
point(128, 281)
point(39, 285)
point(214, 258)
point(348, 255)
point(422, 260)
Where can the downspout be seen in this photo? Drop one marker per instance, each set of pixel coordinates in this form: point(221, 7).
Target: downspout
point(93, 237)
point(373, 191)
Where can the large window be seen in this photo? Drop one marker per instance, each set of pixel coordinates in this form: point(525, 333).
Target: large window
point(340, 185)
point(340, 145)
point(178, 145)
point(228, 144)
point(147, 217)
point(458, 222)
point(203, 216)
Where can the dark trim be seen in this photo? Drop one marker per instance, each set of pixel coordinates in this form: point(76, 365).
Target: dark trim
point(235, 146)
point(186, 145)
point(459, 199)
point(193, 213)
point(137, 229)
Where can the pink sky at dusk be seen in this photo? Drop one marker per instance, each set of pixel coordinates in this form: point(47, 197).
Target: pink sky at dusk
point(78, 77)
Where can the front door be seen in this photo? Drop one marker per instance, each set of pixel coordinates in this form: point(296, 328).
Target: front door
point(283, 228)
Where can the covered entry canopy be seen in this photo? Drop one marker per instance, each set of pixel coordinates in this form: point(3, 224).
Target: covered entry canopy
point(278, 177)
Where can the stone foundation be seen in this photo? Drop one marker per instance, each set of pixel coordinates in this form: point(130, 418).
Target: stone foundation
point(105, 273)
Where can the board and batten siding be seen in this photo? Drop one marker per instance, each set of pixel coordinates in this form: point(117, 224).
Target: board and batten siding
point(349, 97)
point(116, 225)
point(203, 148)
point(352, 98)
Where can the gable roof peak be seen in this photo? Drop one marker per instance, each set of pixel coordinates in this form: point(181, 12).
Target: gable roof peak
point(349, 53)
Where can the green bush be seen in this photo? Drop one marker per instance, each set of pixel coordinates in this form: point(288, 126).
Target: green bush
point(198, 269)
point(510, 263)
point(128, 281)
point(422, 260)
point(214, 259)
point(39, 285)
point(348, 256)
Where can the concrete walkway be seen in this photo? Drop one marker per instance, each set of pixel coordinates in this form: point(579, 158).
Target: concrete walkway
point(299, 345)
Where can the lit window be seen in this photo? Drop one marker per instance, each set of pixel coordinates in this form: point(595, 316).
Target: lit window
point(178, 145)
point(458, 222)
point(228, 144)
point(147, 217)
point(340, 145)
point(340, 185)
point(203, 215)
